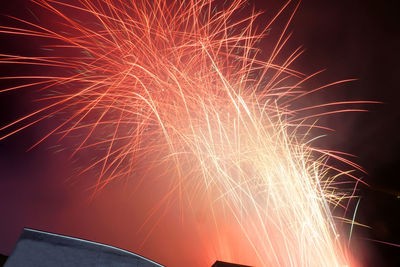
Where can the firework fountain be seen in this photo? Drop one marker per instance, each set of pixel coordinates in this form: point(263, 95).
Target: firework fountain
point(180, 86)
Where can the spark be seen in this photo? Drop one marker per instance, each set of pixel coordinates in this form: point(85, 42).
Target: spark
point(182, 84)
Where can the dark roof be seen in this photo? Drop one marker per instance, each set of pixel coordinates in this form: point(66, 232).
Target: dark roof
point(227, 264)
point(37, 248)
point(3, 259)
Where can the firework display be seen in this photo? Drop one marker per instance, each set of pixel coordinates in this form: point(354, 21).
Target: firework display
point(180, 86)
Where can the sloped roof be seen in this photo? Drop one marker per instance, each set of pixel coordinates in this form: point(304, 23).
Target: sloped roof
point(37, 248)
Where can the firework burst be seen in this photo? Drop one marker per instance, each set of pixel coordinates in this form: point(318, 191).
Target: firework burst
point(181, 85)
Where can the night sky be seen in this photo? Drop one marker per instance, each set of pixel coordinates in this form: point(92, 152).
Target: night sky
point(350, 39)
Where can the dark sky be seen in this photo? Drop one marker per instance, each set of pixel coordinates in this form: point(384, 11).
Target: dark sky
point(360, 39)
point(351, 39)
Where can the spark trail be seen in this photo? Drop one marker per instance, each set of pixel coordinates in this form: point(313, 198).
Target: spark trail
point(180, 84)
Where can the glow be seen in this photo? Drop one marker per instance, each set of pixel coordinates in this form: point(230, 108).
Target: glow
point(182, 83)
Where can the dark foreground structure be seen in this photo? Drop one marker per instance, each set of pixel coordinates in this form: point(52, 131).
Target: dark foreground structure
point(2, 259)
point(37, 248)
point(226, 264)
